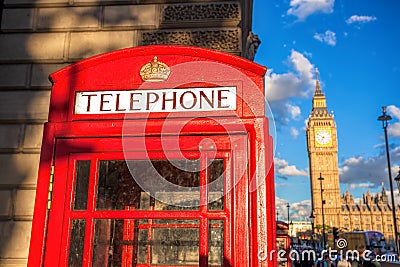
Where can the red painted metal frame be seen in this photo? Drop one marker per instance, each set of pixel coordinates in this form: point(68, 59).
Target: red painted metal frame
point(119, 70)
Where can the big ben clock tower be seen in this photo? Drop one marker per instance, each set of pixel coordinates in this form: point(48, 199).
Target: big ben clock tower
point(322, 149)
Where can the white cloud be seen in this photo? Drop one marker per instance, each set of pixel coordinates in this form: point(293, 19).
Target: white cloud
point(307, 54)
point(294, 111)
point(304, 8)
point(354, 160)
point(329, 37)
point(294, 132)
point(301, 210)
point(284, 112)
point(281, 209)
point(302, 65)
point(394, 111)
point(319, 37)
point(363, 170)
point(282, 167)
point(298, 82)
point(360, 19)
point(361, 185)
point(396, 195)
point(298, 211)
point(280, 86)
point(394, 128)
point(368, 172)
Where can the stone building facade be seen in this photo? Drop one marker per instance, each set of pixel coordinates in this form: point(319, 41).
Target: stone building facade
point(372, 212)
point(39, 37)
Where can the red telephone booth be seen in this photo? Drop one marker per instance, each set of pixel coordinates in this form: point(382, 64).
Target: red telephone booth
point(283, 244)
point(155, 156)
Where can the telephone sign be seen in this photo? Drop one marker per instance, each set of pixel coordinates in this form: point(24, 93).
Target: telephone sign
point(161, 100)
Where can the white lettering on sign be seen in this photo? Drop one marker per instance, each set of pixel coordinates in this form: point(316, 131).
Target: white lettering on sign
point(157, 100)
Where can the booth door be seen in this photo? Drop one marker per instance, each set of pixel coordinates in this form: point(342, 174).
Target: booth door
point(113, 207)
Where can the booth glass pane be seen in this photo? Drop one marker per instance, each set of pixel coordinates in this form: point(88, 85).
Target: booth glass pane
point(115, 242)
point(145, 185)
point(126, 242)
point(216, 179)
point(215, 242)
point(116, 188)
point(175, 243)
point(81, 184)
point(76, 243)
point(178, 188)
point(143, 245)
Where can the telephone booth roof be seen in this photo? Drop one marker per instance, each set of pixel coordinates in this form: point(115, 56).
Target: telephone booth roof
point(188, 67)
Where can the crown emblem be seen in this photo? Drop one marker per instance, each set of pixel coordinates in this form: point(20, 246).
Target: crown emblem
point(155, 71)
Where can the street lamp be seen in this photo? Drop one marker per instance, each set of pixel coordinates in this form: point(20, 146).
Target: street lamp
point(322, 210)
point(288, 216)
point(312, 218)
point(384, 118)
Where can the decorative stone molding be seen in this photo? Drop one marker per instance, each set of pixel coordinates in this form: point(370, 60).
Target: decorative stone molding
point(225, 40)
point(200, 12)
point(252, 44)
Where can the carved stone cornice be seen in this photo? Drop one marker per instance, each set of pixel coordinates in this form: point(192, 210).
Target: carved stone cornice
point(178, 13)
point(227, 40)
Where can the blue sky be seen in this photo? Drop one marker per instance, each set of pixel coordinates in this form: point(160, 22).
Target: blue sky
point(354, 44)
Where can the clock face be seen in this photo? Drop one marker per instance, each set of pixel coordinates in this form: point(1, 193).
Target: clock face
point(323, 137)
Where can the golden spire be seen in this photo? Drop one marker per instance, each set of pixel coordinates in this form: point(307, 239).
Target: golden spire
point(319, 101)
point(318, 90)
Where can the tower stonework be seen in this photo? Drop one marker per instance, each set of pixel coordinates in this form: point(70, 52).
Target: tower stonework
point(322, 146)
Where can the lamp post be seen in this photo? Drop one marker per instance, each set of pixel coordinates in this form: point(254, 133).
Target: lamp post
point(288, 215)
point(291, 229)
point(312, 218)
point(384, 118)
point(322, 210)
